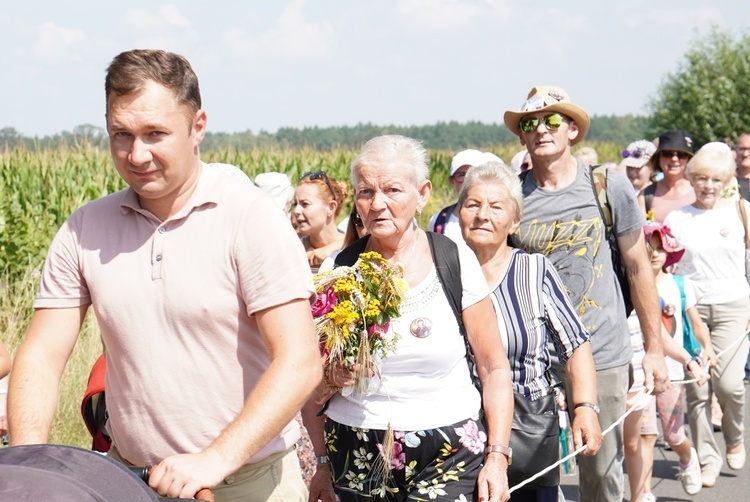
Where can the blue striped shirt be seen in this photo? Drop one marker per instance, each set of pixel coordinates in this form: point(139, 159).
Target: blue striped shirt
point(533, 308)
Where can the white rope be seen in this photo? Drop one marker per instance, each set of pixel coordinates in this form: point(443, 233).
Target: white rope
point(643, 400)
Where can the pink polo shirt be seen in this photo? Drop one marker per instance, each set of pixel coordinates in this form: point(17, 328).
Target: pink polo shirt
point(175, 301)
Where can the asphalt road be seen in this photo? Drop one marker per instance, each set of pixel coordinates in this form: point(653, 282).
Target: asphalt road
point(731, 485)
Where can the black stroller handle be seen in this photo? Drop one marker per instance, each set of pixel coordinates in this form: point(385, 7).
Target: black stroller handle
point(145, 472)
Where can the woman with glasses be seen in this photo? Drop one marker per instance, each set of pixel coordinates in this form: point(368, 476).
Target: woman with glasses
point(713, 235)
point(319, 201)
point(673, 191)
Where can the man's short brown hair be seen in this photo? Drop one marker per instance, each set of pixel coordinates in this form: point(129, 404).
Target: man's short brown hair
point(129, 72)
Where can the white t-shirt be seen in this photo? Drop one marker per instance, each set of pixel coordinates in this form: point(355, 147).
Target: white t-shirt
point(714, 258)
point(670, 295)
point(425, 382)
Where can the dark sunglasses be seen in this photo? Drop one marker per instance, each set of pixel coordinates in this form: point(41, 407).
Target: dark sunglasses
point(319, 175)
point(668, 154)
point(552, 121)
point(636, 154)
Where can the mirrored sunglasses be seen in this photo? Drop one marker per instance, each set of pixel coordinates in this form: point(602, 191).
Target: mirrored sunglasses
point(552, 121)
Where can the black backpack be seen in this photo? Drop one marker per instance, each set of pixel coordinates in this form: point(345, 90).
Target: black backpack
point(442, 217)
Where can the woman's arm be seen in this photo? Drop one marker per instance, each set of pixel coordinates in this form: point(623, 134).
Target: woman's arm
point(582, 378)
point(482, 330)
point(321, 486)
point(4, 361)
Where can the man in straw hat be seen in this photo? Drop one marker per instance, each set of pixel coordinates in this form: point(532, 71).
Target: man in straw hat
point(562, 220)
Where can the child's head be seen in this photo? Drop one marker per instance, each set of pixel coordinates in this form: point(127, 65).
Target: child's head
point(662, 246)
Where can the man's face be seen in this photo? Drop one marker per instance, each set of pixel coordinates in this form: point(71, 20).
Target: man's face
point(457, 180)
point(545, 143)
point(743, 153)
point(154, 145)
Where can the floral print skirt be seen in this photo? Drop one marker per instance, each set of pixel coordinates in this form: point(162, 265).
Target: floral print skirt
point(436, 464)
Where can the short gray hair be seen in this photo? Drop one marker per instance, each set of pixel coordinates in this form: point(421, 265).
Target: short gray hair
point(717, 162)
point(497, 174)
point(394, 149)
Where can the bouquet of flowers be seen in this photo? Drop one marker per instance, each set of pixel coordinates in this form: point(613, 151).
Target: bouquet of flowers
point(353, 312)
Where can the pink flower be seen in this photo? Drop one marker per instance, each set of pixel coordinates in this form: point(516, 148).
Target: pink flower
point(399, 457)
point(324, 303)
point(378, 330)
point(471, 437)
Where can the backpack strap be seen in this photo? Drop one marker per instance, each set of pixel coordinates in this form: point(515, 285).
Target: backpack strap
point(448, 267)
point(681, 286)
point(648, 195)
point(442, 217)
point(599, 185)
point(350, 254)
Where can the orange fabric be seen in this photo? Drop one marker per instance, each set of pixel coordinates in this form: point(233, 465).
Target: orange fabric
point(95, 387)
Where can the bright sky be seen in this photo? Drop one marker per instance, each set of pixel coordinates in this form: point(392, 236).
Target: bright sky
point(269, 64)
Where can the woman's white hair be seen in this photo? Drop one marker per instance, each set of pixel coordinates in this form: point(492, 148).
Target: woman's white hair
point(393, 149)
point(497, 174)
point(712, 160)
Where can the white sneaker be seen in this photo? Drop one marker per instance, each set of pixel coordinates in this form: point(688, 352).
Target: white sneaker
point(648, 497)
point(691, 475)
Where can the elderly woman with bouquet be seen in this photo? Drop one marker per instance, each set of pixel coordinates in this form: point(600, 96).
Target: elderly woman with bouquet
point(404, 414)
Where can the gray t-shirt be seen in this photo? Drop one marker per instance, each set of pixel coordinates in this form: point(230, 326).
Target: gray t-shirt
point(566, 226)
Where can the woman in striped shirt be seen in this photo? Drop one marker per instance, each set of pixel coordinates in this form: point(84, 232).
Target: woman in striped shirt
point(533, 309)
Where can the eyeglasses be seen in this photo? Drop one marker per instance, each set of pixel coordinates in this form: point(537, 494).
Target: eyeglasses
point(636, 154)
point(552, 121)
point(319, 175)
point(704, 180)
point(742, 149)
point(668, 154)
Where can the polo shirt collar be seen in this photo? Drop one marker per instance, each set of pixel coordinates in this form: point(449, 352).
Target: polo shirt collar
point(204, 194)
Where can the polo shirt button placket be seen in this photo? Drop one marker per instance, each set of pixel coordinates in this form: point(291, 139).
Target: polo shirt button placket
point(158, 253)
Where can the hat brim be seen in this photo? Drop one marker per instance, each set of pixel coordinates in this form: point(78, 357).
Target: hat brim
point(576, 113)
point(633, 162)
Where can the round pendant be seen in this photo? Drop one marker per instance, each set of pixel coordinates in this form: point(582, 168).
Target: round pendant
point(421, 327)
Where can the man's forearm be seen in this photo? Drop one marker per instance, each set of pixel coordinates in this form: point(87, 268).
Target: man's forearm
point(32, 400)
point(646, 303)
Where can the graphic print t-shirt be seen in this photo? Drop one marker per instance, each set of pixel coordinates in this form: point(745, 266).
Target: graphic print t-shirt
point(566, 226)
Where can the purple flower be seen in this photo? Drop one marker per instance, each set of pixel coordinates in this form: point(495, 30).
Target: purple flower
point(378, 330)
point(324, 303)
point(471, 437)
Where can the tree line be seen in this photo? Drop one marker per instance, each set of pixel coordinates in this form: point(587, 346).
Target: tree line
point(441, 136)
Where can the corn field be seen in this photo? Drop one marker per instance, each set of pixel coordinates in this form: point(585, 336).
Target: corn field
point(40, 189)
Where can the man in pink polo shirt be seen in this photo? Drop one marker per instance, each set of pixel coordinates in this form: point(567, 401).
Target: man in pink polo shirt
point(201, 290)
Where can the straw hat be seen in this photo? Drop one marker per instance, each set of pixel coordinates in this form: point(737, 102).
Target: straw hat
point(549, 99)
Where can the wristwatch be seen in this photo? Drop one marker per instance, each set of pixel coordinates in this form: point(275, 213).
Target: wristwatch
point(505, 450)
point(593, 406)
point(694, 358)
point(323, 459)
